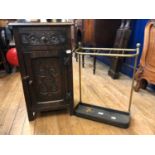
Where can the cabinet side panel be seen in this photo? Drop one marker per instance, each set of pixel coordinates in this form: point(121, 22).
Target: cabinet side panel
point(23, 72)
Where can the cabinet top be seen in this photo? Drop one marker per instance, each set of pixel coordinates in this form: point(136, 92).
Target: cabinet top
point(41, 24)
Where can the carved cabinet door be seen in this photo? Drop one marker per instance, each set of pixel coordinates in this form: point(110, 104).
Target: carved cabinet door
point(47, 82)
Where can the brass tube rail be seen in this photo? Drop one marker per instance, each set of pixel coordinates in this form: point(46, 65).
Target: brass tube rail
point(111, 49)
point(80, 49)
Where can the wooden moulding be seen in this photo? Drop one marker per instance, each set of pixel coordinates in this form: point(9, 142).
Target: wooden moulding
point(146, 71)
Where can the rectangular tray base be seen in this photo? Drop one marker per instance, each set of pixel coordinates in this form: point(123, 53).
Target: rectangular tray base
point(104, 115)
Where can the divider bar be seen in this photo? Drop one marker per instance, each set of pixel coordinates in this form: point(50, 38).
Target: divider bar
point(107, 54)
point(109, 49)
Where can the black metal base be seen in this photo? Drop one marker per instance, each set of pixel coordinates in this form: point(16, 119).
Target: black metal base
point(104, 115)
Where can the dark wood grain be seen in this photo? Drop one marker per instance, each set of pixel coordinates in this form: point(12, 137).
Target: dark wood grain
point(46, 69)
point(99, 32)
point(121, 41)
point(41, 24)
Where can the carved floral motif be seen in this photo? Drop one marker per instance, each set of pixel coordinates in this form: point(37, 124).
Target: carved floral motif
point(44, 38)
point(46, 78)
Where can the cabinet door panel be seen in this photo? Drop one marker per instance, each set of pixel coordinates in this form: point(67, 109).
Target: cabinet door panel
point(46, 79)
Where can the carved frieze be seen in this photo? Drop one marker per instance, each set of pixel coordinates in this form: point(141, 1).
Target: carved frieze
point(44, 38)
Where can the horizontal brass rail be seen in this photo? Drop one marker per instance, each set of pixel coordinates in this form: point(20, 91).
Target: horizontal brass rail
point(80, 52)
point(107, 54)
point(109, 49)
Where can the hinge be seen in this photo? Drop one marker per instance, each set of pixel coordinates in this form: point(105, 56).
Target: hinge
point(66, 60)
point(25, 77)
point(68, 95)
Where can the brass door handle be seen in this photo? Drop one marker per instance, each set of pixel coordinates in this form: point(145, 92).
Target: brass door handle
point(68, 51)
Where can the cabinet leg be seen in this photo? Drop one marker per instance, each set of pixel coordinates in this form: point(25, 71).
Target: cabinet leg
point(31, 115)
point(140, 84)
point(144, 84)
point(137, 87)
point(94, 65)
point(71, 107)
point(76, 57)
point(83, 61)
point(71, 112)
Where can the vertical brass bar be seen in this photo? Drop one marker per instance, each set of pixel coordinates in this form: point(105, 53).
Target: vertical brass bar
point(80, 91)
point(132, 84)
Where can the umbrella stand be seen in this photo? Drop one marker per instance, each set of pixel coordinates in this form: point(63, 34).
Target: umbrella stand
point(103, 114)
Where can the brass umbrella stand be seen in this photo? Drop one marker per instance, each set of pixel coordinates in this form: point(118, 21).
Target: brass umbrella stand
point(102, 114)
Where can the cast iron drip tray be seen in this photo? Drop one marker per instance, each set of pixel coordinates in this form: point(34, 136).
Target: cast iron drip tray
point(105, 115)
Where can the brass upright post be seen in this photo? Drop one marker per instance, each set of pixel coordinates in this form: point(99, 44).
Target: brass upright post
point(132, 84)
point(80, 94)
